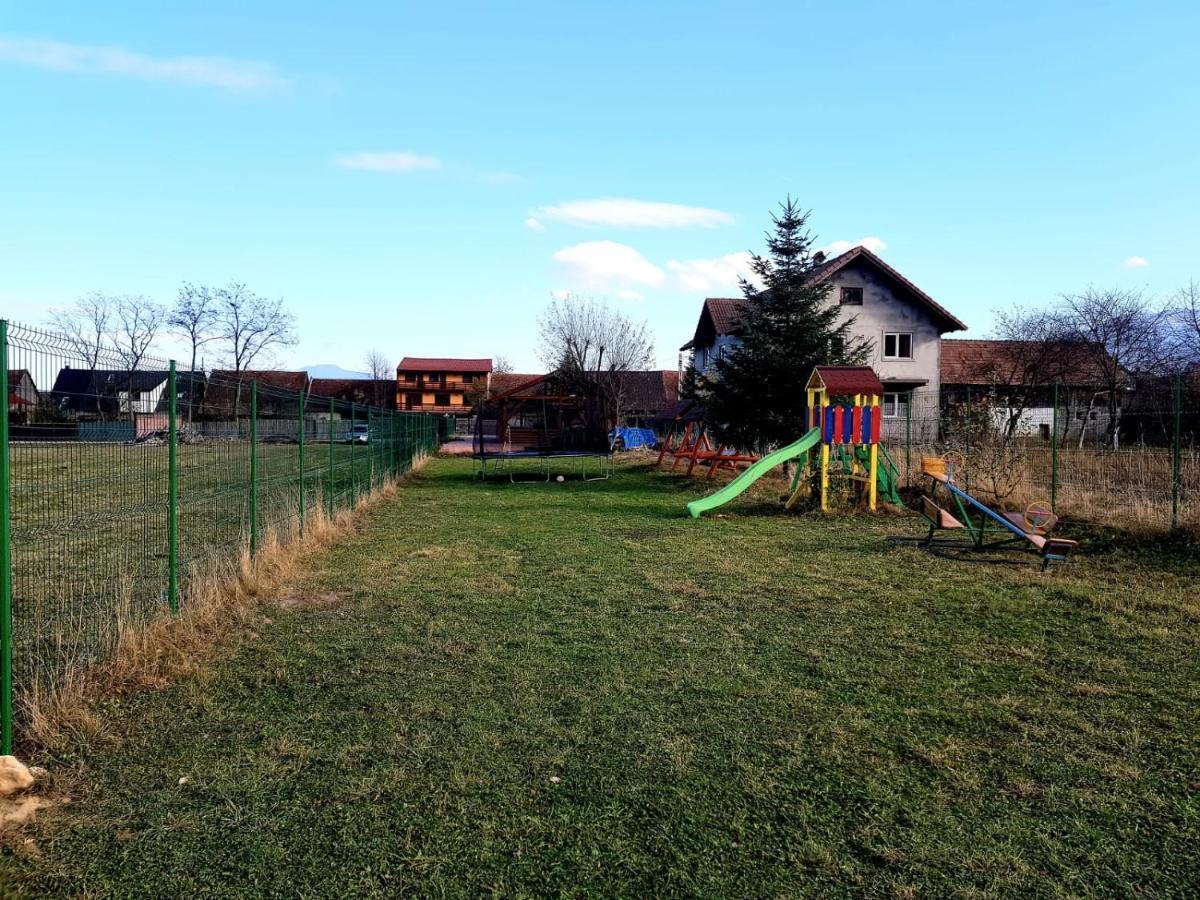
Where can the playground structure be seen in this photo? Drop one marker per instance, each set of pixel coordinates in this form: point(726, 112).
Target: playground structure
point(848, 435)
point(688, 441)
point(986, 528)
point(850, 447)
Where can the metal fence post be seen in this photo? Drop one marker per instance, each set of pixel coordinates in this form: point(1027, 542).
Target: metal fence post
point(1177, 455)
point(908, 440)
point(331, 468)
point(253, 467)
point(301, 437)
point(353, 456)
point(1054, 450)
point(371, 450)
point(6, 685)
point(173, 489)
point(970, 425)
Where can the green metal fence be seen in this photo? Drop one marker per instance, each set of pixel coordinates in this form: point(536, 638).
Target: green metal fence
point(122, 480)
point(1137, 467)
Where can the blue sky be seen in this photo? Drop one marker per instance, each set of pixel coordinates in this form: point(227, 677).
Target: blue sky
point(420, 178)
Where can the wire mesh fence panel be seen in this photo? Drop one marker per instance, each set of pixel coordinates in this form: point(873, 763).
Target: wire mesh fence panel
point(1136, 466)
point(88, 499)
point(92, 450)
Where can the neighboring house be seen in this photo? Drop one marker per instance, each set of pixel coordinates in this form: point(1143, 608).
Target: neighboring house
point(440, 384)
point(903, 324)
point(22, 392)
point(646, 395)
point(1017, 380)
point(108, 393)
point(532, 409)
point(228, 392)
point(377, 392)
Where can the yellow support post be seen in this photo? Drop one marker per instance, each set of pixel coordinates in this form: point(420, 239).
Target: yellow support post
point(824, 477)
point(873, 486)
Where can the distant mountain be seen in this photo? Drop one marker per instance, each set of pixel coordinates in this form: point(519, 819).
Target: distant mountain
point(329, 370)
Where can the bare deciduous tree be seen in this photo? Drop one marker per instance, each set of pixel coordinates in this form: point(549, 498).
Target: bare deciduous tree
point(1036, 355)
point(591, 346)
point(136, 324)
point(194, 317)
point(501, 364)
point(382, 372)
point(1121, 332)
point(86, 326)
point(1184, 322)
point(249, 327)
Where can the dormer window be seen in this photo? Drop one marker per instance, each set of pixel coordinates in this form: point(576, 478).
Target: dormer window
point(852, 296)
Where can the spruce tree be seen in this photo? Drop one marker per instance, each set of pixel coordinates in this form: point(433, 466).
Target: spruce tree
point(756, 400)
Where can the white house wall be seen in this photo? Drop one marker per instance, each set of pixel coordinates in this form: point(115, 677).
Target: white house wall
point(882, 311)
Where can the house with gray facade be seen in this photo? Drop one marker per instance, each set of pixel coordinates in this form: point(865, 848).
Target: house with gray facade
point(903, 324)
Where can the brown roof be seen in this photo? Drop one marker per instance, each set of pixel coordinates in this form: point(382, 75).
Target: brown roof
point(650, 391)
point(724, 312)
point(843, 381)
point(444, 364)
point(282, 379)
point(504, 382)
point(1019, 362)
point(646, 391)
point(356, 390)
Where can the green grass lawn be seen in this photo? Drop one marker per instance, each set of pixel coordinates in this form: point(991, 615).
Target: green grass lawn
point(536, 689)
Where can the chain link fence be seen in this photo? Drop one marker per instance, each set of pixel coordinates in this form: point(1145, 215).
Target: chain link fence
point(123, 479)
point(1134, 464)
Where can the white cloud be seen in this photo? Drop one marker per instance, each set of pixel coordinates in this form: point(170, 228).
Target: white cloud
point(707, 274)
point(625, 213)
point(630, 295)
point(1135, 262)
point(874, 244)
point(213, 71)
point(598, 263)
point(388, 161)
point(560, 294)
point(534, 224)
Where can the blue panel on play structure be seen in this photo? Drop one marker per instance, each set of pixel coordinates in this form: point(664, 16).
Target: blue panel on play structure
point(868, 415)
point(827, 431)
point(847, 425)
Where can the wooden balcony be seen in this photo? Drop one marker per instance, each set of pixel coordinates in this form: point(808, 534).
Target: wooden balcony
point(437, 408)
point(424, 384)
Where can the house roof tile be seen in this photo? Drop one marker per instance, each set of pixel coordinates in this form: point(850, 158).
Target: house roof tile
point(444, 364)
point(982, 362)
point(844, 381)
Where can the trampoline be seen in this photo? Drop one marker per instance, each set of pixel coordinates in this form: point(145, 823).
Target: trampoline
point(542, 465)
point(546, 432)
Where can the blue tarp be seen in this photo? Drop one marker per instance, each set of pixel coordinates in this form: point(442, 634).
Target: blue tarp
point(633, 438)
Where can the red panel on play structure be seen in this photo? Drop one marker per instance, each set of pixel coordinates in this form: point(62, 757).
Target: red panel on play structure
point(876, 422)
point(856, 426)
point(837, 423)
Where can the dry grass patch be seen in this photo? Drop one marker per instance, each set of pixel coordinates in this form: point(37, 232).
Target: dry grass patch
point(218, 605)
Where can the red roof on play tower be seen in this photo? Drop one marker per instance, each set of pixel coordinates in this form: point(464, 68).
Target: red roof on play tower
point(846, 380)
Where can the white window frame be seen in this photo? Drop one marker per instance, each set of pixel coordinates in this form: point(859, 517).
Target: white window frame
point(895, 404)
point(897, 335)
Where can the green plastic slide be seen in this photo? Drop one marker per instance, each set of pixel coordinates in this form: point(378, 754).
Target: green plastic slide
point(755, 472)
point(885, 474)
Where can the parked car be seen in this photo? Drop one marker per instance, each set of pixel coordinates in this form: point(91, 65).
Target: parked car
point(359, 434)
